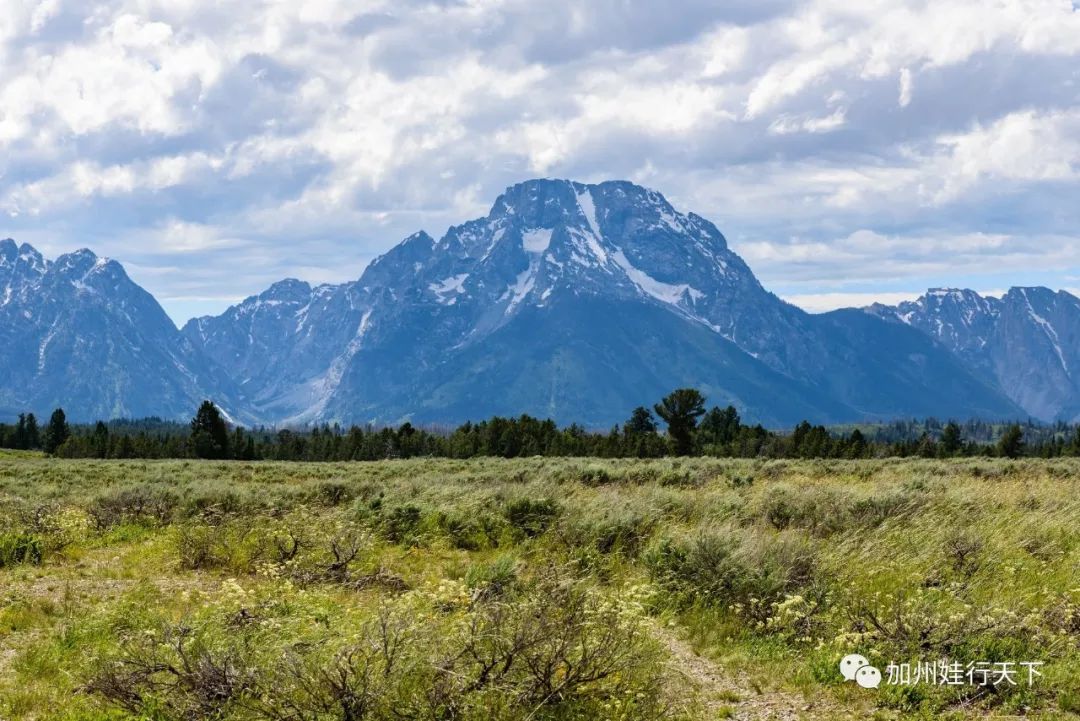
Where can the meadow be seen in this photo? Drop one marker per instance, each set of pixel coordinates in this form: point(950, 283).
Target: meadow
point(533, 589)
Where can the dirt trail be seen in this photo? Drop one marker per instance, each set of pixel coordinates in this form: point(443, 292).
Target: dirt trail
point(723, 694)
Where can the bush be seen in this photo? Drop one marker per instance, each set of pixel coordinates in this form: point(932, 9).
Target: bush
point(332, 493)
point(531, 517)
point(680, 479)
point(595, 476)
point(553, 647)
point(749, 573)
point(132, 505)
point(471, 531)
point(236, 545)
point(614, 530)
point(177, 677)
point(213, 503)
point(402, 525)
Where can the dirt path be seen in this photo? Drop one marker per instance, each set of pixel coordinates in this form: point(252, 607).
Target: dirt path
point(722, 694)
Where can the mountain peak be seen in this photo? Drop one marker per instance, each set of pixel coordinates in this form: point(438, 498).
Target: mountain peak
point(287, 289)
point(83, 262)
point(11, 253)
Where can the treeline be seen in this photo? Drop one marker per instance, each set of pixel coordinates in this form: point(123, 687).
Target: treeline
point(688, 430)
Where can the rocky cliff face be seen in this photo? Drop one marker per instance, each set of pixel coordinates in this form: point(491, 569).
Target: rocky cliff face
point(1026, 343)
point(78, 332)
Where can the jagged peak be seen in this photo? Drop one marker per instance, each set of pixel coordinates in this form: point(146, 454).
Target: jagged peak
point(287, 288)
point(83, 262)
point(420, 236)
point(11, 253)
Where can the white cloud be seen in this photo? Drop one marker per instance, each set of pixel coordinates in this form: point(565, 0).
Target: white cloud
point(328, 129)
point(1022, 146)
point(824, 302)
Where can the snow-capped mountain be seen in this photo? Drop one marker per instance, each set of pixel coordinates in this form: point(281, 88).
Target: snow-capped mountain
point(575, 302)
point(78, 332)
point(1027, 343)
point(570, 301)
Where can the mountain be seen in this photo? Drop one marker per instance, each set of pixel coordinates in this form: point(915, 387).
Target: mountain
point(576, 302)
point(78, 332)
point(1026, 343)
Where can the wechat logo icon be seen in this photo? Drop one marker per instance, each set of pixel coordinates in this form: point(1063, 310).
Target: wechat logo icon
point(858, 669)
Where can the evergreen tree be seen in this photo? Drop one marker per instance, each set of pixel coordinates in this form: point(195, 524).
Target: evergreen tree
point(101, 440)
point(856, 444)
point(641, 422)
point(927, 447)
point(1011, 444)
point(19, 438)
point(125, 448)
point(57, 432)
point(1073, 448)
point(209, 434)
point(951, 440)
point(681, 409)
point(721, 426)
point(33, 433)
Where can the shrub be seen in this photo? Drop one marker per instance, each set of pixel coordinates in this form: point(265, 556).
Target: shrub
point(132, 505)
point(333, 493)
point(749, 573)
point(471, 531)
point(680, 479)
point(402, 525)
point(963, 552)
point(213, 503)
point(736, 480)
point(553, 647)
point(614, 530)
point(595, 476)
point(177, 677)
point(531, 517)
point(237, 545)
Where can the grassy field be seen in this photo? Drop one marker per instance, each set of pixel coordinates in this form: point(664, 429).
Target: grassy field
point(533, 589)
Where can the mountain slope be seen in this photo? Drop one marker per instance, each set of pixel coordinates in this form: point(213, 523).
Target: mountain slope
point(428, 326)
point(1026, 343)
point(78, 333)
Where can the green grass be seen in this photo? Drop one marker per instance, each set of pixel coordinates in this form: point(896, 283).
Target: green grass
point(764, 573)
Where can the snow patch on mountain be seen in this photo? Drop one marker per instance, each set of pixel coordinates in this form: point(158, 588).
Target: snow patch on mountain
point(1048, 329)
point(448, 288)
point(536, 241)
point(663, 292)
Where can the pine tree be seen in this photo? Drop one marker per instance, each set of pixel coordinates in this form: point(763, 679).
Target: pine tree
point(19, 441)
point(33, 433)
point(1011, 444)
point(57, 432)
point(209, 434)
point(1073, 448)
point(857, 444)
point(641, 422)
point(101, 440)
point(681, 409)
point(951, 440)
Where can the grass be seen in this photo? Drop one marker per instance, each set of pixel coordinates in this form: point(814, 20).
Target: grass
point(532, 588)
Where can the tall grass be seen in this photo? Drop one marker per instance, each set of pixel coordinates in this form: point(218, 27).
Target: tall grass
point(139, 589)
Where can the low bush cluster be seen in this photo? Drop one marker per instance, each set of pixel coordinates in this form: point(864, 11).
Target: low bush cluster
point(551, 648)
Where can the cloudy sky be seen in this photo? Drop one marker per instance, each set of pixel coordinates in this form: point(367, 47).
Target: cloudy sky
point(849, 150)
